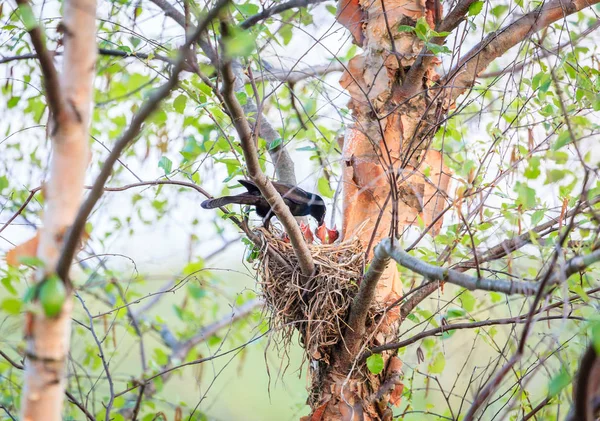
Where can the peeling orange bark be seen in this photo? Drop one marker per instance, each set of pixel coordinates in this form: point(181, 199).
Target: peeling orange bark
point(386, 146)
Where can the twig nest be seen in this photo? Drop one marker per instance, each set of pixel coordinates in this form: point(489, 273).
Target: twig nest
point(317, 307)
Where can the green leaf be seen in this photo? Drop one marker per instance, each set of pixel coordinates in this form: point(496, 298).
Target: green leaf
point(13, 101)
point(241, 43)
point(558, 383)
point(468, 300)
point(52, 296)
point(563, 139)
point(324, 189)
point(422, 29)
point(405, 28)
point(553, 176)
point(7, 282)
point(28, 17)
point(11, 305)
point(179, 103)
point(166, 164)
point(275, 143)
point(475, 8)
point(526, 194)
point(438, 364)
point(3, 183)
point(375, 363)
point(537, 216)
point(455, 312)
point(533, 169)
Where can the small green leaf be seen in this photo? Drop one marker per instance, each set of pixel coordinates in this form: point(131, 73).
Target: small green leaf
point(558, 383)
point(179, 103)
point(405, 28)
point(475, 8)
point(275, 143)
point(3, 183)
point(11, 305)
point(455, 312)
point(563, 139)
point(7, 282)
point(12, 103)
point(324, 189)
point(375, 363)
point(52, 296)
point(28, 17)
point(553, 176)
point(166, 164)
point(438, 363)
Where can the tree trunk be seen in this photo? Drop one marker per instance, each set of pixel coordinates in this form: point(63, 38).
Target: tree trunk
point(384, 156)
point(48, 337)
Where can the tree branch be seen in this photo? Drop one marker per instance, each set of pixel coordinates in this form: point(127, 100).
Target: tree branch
point(353, 337)
point(51, 80)
point(265, 186)
point(457, 326)
point(74, 234)
point(282, 7)
point(464, 74)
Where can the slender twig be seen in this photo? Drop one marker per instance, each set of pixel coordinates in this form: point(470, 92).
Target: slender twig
point(109, 379)
point(130, 134)
point(79, 405)
point(457, 326)
point(279, 8)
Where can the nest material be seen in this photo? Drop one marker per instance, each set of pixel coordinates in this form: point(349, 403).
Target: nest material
point(317, 307)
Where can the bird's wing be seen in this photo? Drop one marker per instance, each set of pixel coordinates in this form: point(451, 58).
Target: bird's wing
point(241, 199)
point(250, 186)
point(292, 193)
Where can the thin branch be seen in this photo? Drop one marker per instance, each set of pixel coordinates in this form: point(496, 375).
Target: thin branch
point(457, 326)
point(282, 7)
point(436, 273)
point(79, 405)
point(51, 80)
point(265, 186)
point(518, 67)
point(359, 310)
point(464, 74)
point(32, 193)
point(295, 76)
point(74, 234)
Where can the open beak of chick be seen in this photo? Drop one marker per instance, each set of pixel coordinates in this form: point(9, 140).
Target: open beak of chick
point(326, 235)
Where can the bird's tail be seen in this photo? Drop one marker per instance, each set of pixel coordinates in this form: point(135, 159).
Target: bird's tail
point(240, 199)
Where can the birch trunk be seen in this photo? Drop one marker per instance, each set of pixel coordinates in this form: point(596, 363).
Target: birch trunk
point(48, 338)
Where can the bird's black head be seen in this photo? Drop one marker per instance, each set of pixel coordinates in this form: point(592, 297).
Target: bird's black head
point(317, 208)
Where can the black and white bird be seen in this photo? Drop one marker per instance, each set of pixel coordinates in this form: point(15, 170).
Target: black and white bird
point(300, 202)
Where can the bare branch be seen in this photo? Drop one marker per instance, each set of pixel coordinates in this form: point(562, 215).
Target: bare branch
point(516, 68)
point(294, 76)
point(457, 326)
point(282, 7)
point(355, 331)
point(464, 74)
